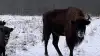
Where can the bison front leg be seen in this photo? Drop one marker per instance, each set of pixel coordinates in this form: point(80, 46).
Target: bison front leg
point(71, 46)
point(71, 51)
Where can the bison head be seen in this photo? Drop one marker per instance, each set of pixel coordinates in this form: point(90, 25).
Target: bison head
point(80, 25)
point(2, 23)
point(6, 30)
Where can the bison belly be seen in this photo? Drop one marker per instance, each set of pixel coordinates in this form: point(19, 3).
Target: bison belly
point(58, 29)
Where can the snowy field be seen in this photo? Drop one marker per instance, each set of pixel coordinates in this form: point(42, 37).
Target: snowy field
point(25, 40)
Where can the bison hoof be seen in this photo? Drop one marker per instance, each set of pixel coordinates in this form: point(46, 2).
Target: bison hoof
point(60, 55)
point(46, 55)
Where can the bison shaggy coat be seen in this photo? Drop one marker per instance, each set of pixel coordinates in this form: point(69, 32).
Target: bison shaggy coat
point(69, 22)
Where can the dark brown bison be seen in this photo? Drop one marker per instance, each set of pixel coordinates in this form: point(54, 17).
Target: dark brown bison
point(69, 22)
point(4, 36)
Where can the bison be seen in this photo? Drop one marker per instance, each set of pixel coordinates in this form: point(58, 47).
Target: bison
point(4, 36)
point(70, 22)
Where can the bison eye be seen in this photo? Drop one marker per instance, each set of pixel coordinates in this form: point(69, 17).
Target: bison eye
point(87, 22)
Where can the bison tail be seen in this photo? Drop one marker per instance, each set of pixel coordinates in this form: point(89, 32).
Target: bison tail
point(46, 27)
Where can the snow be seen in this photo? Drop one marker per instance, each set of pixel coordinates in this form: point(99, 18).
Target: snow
point(25, 40)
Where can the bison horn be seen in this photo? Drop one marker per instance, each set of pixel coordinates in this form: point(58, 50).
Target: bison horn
point(88, 17)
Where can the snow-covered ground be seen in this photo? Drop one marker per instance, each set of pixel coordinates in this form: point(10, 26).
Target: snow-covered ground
point(25, 40)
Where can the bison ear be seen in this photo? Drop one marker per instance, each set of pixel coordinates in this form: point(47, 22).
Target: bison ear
point(11, 29)
point(4, 22)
